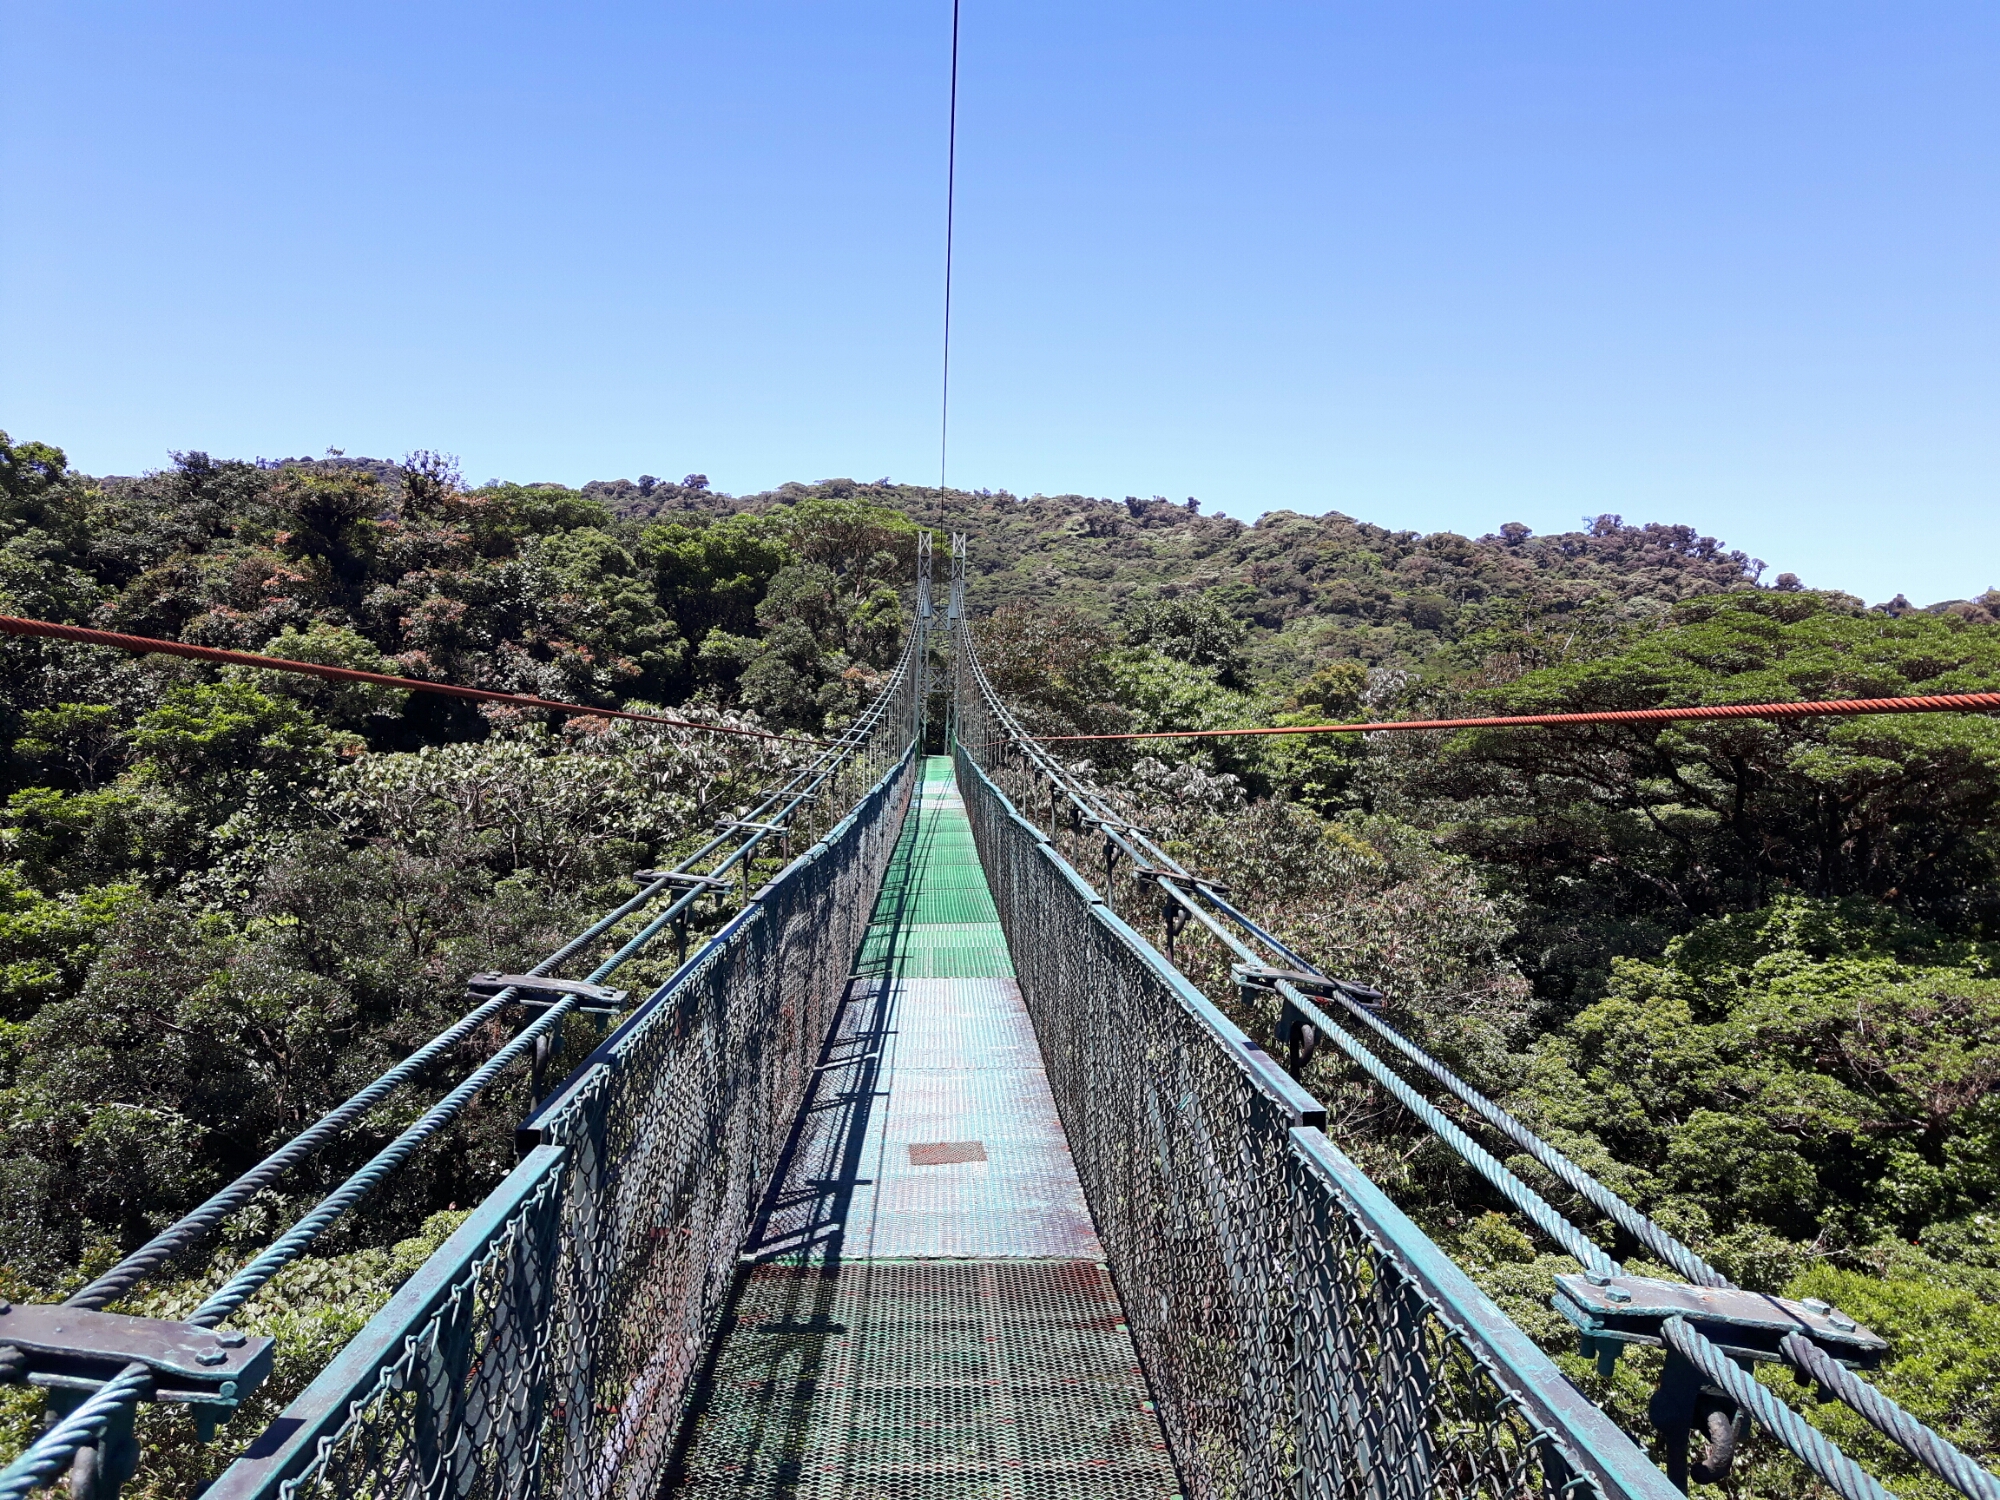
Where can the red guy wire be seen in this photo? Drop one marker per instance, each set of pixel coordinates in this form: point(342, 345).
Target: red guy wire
point(148, 645)
point(1932, 704)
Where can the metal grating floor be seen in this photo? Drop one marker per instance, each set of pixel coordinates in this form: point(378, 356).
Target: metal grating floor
point(1009, 1379)
point(924, 1312)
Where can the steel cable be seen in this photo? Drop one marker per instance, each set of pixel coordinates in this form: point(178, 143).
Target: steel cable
point(1929, 1447)
point(1928, 703)
point(148, 1258)
point(1807, 1442)
point(56, 1449)
point(245, 1284)
point(1939, 1454)
point(146, 645)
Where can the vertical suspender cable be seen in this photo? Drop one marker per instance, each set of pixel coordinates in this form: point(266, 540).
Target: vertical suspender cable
point(950, 203)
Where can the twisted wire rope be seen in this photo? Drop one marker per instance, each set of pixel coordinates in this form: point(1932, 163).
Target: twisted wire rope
point(1930, 1448)
point(56, 1448)
point(1807, 1442)
point(1924, 703)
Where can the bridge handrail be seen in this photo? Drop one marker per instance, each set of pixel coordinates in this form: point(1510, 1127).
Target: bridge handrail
point(1261, 1193)
point(894, 716)
point(1205, 903)
point(422, 1345)
point(1201, 901)
point(779, 950)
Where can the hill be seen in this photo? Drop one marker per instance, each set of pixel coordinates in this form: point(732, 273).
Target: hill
point(1329, 586)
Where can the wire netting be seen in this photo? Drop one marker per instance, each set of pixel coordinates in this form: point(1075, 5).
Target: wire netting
point(459, 1409)
point(673, 1137)
point(1292, 1347)
point(558, 1357)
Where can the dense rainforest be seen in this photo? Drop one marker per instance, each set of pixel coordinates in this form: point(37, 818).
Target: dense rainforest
point(1745, 972)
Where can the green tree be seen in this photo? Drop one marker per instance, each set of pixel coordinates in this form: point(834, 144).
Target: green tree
point(343, 705)
point(1819, 1071)
point(218, 745)
point(1192, 628)
point(1621, 835)
point(712, 576)
point(1053, 667)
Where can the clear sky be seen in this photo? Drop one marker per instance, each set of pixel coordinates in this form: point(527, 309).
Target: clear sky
point(1439, 264)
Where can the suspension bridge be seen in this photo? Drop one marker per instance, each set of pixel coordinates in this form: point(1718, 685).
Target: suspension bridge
point(926, 1173)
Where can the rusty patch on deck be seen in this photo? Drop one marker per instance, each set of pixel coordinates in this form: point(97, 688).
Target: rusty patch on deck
point(944, 1153)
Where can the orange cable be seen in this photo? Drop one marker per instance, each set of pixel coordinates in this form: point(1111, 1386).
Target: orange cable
point(145, 644)
point(1934, 703)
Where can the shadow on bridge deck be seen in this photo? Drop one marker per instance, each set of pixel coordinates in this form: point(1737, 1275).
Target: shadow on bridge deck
point(925, 1311)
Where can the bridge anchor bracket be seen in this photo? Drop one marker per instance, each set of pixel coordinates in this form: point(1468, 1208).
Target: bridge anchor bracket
point(540, 992)
point(1612, 1311)
point(71, 1351)
point(1744, 1325)
point(1262, 977)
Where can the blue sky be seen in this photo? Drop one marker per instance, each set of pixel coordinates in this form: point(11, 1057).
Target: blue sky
point(1438, 265)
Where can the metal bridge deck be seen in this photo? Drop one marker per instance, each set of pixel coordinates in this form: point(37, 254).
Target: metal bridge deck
point(925, 1311)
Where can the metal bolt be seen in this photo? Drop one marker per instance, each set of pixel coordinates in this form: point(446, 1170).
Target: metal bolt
point(1841, 1321)
point(1597, 1278)
point(5, 1305)
point(226, 1390)
point(1814, 1305)
point(210, 1357)
point(229, 1338)
point(1617, 1294)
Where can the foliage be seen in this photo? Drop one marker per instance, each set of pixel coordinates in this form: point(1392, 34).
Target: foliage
point(1052, 666)
point(1818, 1071)
point(1196, 630)
point(1623, 835)
point(1742, 970)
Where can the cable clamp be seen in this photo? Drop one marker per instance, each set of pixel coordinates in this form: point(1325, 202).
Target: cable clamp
point(1617, 1310)
point(1144, 873)
point(678, 877)
point(594, 998)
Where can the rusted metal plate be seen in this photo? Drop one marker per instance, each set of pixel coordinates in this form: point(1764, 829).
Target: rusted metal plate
point(945, 1153)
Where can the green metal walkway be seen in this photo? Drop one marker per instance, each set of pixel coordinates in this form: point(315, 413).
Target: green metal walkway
point(924, 1310)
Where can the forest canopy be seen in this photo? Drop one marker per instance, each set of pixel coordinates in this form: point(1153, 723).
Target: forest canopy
point(1745, 971)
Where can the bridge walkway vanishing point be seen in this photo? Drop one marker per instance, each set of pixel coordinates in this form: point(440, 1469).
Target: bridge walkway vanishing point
point(924, 1308)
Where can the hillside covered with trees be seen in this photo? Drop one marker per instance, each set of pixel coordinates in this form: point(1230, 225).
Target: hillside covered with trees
point(1745, 972)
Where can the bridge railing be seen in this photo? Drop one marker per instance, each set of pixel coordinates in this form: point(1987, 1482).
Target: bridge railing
point(547, 1347)
point(1708, 1328)
point(1301, 1335)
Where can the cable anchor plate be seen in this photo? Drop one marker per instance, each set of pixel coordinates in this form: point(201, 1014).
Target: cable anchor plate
point(77, 1349)
point(1744, 1325)
point(540, 992)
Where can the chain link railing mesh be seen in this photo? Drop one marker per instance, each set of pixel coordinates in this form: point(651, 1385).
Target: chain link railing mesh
point(564, 1337)
point(459, 1409)
point(1395, 1398)
point(674, 1137)
point(1302, 1338)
